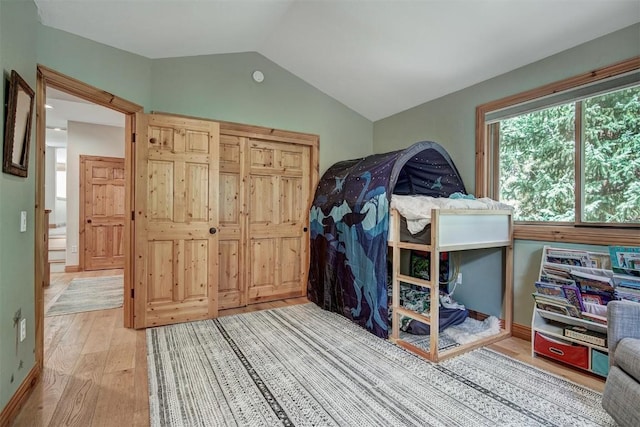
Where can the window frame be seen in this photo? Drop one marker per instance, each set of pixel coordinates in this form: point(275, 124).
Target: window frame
point(486, 176)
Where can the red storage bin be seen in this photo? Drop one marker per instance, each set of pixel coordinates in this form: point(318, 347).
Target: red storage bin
point(571, 354)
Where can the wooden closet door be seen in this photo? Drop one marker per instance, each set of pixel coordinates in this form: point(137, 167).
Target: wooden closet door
point(278, 204)
point(232, 247)
point(176, 216)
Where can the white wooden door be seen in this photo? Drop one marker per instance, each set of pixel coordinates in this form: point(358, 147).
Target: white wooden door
point(176, 220)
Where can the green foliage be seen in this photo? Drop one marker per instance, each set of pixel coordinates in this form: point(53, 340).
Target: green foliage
point(537, 161)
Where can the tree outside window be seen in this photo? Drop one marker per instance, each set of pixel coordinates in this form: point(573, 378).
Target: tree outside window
point(538, 152)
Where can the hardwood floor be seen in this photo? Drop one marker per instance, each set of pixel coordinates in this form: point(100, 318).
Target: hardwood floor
point(95, 371)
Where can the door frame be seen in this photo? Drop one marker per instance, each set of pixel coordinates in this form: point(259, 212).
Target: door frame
point(82, 244)
point(48, 77)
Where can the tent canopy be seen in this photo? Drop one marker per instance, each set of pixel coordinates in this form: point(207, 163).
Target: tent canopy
point(350, 223)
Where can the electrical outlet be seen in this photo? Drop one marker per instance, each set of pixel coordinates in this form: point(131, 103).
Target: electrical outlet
point(459, 279)
point(23, 221)
point(23, 329)
point(74, 249)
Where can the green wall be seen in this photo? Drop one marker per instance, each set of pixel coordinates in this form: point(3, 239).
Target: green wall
point(215, 86)
point(18, 20)
point(121, 73)
point(450, 121)
point(220, 87)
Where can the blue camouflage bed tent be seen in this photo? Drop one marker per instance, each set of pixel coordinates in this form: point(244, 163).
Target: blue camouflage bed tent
point(349, 222)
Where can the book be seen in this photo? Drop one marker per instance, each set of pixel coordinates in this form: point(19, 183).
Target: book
point(594, 296)
point(625, 259)
point(570, 292)
point(594, 318)
point(557, 280)
point(588, 281)
point(556, 305)
point(583, 334)
point(627, 281)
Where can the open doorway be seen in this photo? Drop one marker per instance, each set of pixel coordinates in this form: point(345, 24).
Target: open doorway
point(71, 91)
point(86, 207)
point(84, 198)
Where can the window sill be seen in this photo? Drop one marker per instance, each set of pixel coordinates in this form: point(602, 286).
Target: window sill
point(571, 234)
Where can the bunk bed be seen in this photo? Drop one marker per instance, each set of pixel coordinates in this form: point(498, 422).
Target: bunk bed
point(448, 230)
point(350, 221)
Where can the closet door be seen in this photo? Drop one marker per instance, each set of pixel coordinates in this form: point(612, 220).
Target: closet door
point(278, 203)
point(176, 220)
point(232, 247)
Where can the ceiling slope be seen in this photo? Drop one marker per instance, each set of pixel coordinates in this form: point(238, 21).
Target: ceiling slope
point(376, 57)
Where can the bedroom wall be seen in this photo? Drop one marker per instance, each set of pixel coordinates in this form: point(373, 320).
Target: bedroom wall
point(90, 140)
point(121, 73)
point(213, 86)
point(220, 87)
point(450, 120)
point(18, 20)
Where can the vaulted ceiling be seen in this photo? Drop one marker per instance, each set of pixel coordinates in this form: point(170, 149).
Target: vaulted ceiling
point(376, 57)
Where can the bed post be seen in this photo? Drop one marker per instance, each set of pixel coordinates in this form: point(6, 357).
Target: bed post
point(395, 274)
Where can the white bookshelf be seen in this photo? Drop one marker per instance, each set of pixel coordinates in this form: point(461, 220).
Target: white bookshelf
point(549, 327)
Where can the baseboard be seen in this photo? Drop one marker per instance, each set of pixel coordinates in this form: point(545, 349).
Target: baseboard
point(19, 398)
point(72, 268)
point(521, 331)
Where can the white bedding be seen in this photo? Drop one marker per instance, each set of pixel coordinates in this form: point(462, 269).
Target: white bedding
point(417, 209)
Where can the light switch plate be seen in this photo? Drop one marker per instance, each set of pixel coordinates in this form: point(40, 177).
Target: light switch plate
point(23, 221)
point(23, 329)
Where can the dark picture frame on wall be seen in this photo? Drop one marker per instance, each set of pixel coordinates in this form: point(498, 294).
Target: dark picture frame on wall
point(17, 129)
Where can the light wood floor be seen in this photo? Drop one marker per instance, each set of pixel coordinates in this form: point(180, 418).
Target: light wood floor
point(95, 371)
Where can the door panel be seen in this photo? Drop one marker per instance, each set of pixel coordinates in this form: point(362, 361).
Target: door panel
point(278, 203)
point(102, 213)
point(175, 219)
point(231, 254)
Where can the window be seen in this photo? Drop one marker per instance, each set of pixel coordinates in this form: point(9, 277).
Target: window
point(566, 155)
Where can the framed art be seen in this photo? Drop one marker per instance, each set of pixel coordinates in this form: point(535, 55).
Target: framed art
point(17, 134)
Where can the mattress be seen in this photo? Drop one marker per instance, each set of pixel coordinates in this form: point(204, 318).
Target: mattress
point(417, 209)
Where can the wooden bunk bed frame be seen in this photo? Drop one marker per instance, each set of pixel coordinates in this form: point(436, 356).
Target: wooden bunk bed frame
point(452, 230)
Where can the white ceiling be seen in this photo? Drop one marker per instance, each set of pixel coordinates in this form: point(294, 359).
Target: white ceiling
point(67, 108)
point(377, 57)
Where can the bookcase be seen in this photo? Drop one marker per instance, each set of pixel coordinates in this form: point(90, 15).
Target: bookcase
point(586, 347)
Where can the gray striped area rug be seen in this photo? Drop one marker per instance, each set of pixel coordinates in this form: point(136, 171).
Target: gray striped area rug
point(89, 294)
point(303, 366)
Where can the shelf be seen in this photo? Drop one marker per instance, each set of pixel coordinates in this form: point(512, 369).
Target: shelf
point(561, 318)
point(557, 331)
point(546, 326)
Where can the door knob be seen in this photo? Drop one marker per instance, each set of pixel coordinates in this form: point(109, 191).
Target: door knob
point(89, 221)
point(212, 230)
